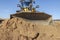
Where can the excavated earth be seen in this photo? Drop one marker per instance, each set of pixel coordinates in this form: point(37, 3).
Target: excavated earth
point(23, 29)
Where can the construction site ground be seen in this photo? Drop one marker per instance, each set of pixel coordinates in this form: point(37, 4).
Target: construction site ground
point(22, 29)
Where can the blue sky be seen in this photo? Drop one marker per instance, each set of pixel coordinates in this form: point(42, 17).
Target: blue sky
point(51, 7)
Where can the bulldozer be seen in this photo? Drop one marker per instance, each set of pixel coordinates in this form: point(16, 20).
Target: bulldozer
point(28, 11)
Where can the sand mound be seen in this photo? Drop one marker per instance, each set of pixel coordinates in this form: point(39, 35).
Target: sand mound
point(22, 29)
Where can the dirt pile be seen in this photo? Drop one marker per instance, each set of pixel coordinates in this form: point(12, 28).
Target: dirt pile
point(22, 29)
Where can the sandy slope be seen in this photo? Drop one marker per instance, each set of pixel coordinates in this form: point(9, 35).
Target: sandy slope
point(22, 29)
